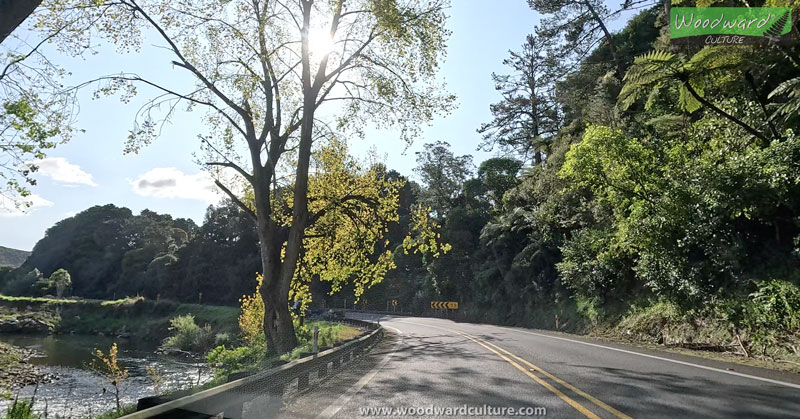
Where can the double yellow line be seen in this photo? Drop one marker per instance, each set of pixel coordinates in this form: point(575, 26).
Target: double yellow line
point(506, 356)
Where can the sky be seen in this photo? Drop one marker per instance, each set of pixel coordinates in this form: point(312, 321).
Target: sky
point(91, 169)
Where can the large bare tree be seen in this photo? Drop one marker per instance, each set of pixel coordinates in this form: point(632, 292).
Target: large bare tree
point(276, 77)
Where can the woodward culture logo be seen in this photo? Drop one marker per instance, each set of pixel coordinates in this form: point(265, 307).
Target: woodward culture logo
point(731, 25)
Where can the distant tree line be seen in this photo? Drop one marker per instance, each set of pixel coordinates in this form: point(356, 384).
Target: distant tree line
point(111, 253)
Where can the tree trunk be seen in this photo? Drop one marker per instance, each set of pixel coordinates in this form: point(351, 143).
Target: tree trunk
point(278, 326)
point(13, 13)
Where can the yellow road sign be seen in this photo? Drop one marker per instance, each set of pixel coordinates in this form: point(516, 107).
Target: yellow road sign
point(442, 305)
point(394, 303)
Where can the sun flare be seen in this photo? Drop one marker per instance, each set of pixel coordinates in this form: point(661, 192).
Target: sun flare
point(320, 42)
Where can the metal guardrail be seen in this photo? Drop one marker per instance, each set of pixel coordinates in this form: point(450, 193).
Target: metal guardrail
point(227, 400)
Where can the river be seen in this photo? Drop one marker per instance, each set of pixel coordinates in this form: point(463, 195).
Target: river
point(80, 392)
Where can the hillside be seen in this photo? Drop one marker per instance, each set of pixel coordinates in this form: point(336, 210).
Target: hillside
point(12, 257)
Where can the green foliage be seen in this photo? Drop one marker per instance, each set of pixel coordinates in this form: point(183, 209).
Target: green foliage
point(345, 244)
point(443, 174)
point(528, 117)
point(772, 313)
point(21, 409)
point(188, 336)
point(227, 361)
point(252, 354)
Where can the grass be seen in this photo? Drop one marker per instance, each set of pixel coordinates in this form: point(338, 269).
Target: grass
point(113, 414)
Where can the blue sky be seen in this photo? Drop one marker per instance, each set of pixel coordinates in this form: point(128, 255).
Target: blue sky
point(92, 170)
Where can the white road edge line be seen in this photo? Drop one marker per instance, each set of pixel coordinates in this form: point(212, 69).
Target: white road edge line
point(337, 405)
point(675, 361)
point(395, 329)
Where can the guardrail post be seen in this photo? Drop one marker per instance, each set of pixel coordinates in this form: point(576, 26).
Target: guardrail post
point(314, 346)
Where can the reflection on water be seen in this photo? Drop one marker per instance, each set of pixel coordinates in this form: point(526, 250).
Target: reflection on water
point(82, 393)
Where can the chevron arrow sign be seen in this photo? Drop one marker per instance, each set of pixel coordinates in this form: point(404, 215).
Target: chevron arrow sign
point(444, 305)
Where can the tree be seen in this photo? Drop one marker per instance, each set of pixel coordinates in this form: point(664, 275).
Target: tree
point(262, 70)
point(353, 209)
point(443, 174)
point(528, 116)
point(62, 281)
point(499, 175)
point(577, 26)
point(36, 110)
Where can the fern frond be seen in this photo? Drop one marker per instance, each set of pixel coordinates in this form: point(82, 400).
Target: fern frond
point(710, 58)
point(791, 90)
point(776, 29)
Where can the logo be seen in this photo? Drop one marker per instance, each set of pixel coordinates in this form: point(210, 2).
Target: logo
point(731, 25)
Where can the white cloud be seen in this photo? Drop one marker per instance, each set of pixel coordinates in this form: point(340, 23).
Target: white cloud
point(60, 170)
point(169, 182)
point(8, 208)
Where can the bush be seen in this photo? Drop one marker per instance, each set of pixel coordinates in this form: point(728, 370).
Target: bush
point(227, 361)
point(188, 336)
point(251, 319)
point(772, 313)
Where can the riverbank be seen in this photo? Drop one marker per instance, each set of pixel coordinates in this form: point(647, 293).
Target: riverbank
point(81, 390)
point(16, 371)
point(125, 318)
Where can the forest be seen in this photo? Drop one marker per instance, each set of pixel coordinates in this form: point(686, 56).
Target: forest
point(635, 180)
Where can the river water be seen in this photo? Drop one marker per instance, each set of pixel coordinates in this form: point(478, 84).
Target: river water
point(80, 392)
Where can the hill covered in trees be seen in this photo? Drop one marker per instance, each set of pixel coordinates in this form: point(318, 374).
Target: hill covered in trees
point(110, 252)
point(12, 257)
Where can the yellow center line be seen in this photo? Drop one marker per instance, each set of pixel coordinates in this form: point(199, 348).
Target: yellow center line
point(586, 412)
point(582, 393)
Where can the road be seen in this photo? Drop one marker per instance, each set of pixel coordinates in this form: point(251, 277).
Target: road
point(426, 363)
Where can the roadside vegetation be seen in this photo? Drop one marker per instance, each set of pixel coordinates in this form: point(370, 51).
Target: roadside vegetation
point(250, 353)
point(127, 317)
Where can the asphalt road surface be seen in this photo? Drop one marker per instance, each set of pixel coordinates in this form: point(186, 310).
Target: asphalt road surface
point(427, 367)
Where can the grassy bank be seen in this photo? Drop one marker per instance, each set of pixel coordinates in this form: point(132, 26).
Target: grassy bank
point(135, 317)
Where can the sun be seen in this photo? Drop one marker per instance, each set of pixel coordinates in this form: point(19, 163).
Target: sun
point(320, 42)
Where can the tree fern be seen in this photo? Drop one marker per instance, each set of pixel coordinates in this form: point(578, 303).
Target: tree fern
point(791, 90)
point(707, 69)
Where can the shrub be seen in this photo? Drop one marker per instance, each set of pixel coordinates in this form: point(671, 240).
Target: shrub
point(251, 319)
point(772, 312)
point(108, 366)
point(188, 336)
point(227, 361)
